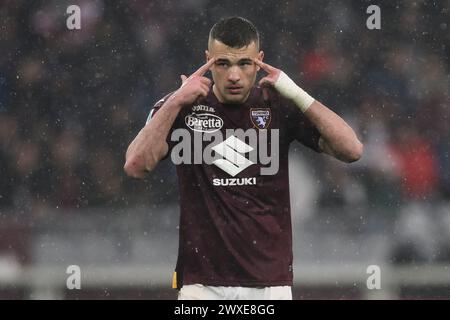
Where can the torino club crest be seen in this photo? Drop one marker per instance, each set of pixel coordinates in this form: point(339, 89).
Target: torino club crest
point(260, 117)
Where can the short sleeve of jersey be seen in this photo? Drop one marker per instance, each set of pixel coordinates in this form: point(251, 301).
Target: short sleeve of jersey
point(152, 113)
point(156, 107)
point(299, 127)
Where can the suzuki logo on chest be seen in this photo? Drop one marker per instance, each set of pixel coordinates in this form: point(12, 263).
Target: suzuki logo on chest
point(232, 150)
point(231, 155)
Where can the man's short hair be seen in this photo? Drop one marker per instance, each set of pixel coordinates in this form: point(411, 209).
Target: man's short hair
point(235, 32)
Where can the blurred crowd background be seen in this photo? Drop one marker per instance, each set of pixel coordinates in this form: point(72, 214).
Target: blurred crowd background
point(72, 101)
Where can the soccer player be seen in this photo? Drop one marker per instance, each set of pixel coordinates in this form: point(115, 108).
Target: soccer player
point(235, 238)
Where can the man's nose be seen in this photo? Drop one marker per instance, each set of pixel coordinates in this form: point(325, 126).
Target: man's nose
point(233, 75)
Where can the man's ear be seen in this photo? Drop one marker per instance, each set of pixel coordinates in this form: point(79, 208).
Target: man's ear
point(260, 57)
point(207, 57)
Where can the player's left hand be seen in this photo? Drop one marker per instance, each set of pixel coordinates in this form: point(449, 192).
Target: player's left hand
point(284, 85)
point(272, 76)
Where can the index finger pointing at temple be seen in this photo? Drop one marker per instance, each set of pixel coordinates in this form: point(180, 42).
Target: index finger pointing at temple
point(204, 68)
point(266, 67)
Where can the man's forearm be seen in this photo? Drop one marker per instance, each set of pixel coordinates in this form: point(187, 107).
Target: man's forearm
point(150, 145)
point(338, 137)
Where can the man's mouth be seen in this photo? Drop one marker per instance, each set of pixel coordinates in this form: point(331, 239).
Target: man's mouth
point(234, 89)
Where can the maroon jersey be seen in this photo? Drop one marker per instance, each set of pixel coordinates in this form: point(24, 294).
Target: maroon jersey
point(235, 223)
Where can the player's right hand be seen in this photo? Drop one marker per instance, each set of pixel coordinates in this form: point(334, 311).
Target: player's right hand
point(195, 86)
